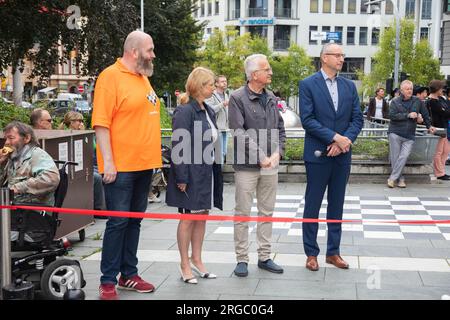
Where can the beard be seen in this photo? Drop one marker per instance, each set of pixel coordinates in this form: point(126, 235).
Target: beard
point(144, 67)
point(18, 148)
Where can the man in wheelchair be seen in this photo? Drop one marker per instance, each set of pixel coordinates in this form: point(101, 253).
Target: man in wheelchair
point(32, 175)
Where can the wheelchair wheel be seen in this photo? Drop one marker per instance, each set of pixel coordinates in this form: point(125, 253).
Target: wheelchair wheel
point(59, 276)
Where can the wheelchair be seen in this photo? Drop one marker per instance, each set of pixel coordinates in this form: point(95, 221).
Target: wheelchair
point(36, 256)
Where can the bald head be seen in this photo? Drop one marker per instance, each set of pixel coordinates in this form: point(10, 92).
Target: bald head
point(135, 40)
point(138, 53)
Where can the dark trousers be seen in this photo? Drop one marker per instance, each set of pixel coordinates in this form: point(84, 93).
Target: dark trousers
point(128, 192)
point(319, 177)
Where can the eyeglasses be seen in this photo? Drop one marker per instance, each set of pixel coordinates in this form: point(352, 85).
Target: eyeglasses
point(48, 120)
point(266, 70)
point(337, 55)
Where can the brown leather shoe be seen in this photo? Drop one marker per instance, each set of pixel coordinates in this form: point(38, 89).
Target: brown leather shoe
point(311, 263)
point(337, 261)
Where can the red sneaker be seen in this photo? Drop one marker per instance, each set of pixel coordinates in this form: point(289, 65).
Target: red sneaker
point(108, 292)
point(135, 283)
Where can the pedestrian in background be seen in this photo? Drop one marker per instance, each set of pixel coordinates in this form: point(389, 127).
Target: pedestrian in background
point(219, 103)
point(378, 107)
point(41, 119)
point(404, 115)
point(195, 178)
point(126, 120)
point(440, 114)
point(332, 118)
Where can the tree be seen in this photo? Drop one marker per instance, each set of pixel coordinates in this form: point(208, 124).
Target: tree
point(415, 59)
point(225, 51)
point(289, 69)
point(177, 36)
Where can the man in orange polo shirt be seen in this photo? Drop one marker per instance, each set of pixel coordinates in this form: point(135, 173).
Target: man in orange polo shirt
point(126, 122)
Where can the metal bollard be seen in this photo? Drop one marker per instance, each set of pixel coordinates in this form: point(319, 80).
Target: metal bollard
point(5, 234)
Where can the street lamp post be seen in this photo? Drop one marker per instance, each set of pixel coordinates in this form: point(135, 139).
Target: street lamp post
point(397, 37)
point(142, 15)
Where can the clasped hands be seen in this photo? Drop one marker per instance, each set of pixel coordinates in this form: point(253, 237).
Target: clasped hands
point(340, 145)
point(271, 162)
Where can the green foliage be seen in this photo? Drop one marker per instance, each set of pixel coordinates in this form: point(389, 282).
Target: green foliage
point(415, 59)
point(369, 149)
point(177, 36)
point(289, 69)
point(165, 119)
point(9, 112)
point(225, 52)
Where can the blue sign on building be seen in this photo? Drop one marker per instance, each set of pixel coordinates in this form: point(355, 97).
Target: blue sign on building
point(257, 21)
point(335, 36)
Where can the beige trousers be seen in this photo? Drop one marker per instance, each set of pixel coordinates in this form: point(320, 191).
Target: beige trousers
point(264, 184)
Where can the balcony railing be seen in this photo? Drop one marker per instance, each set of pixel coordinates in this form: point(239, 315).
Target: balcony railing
point(281, 44)
point(257, 12)
point(235, 14)
point(283, 13)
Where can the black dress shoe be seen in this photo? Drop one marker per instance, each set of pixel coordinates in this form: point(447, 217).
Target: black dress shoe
point(444, 177)
point(271, 266)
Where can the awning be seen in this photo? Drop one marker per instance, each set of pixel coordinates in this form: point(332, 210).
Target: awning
point(46, 90)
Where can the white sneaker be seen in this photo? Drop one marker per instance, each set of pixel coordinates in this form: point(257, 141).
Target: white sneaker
point(153, 199)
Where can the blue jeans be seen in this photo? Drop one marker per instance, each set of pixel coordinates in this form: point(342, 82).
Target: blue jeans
point(128, 192)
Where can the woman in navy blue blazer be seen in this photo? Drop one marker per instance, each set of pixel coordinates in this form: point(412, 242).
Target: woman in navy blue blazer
point(195, 180)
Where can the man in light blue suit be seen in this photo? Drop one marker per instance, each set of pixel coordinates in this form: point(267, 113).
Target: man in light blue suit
point(332, 119)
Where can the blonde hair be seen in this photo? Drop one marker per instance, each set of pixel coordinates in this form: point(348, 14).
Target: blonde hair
point(198, 78)
point(68, 117)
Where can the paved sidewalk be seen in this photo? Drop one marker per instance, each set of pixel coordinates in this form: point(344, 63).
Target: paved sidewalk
point(386, 261)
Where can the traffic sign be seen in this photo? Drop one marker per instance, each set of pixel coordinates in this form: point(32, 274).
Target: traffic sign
point(335, 36)
point(317, 35)
point(80, 89)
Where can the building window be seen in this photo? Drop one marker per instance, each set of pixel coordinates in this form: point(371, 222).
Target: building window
point(314, 6)
point(73, 66)
point(375, 36)
point(311, 30)
point(447, 6)
point(363, 7)
point(339, 6)
point(202, 8)
point(66, 67)
point(326, 29)
point(350, 67)
point(426, 9)
point(281, 38)
point(350, 35)
point(410, 8)
point(326, 6)
point(209, 7)
point(235, 9)
point(339, 29)
point(257, 8)
point(260, 31)
point(389, 7)
point(351, 6)
point(283, 9)
point(423, 33)
point(362, 36)
point(216, 7)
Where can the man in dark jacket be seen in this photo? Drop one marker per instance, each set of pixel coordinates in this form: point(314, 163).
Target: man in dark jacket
point(259, 138)
point(378, 107)
point(404, 114)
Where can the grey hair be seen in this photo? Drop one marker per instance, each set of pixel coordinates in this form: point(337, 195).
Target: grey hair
point(326, 46)
point(251, 64)
point(405, 82)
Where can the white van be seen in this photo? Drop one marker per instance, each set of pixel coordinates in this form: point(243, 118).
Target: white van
point(69, 96)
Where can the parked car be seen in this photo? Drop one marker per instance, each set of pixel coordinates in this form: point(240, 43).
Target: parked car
point(24, 103)
point(82, 106)
point(61, 107)
point(69, 96)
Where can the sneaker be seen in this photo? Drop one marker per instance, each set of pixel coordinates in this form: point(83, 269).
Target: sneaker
point(135, 283)
point(444, 177)
point(108, 291)
point(241, 269)
point(401, 184)
point(269, 265)
point(153, 199)
point(390, 183)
